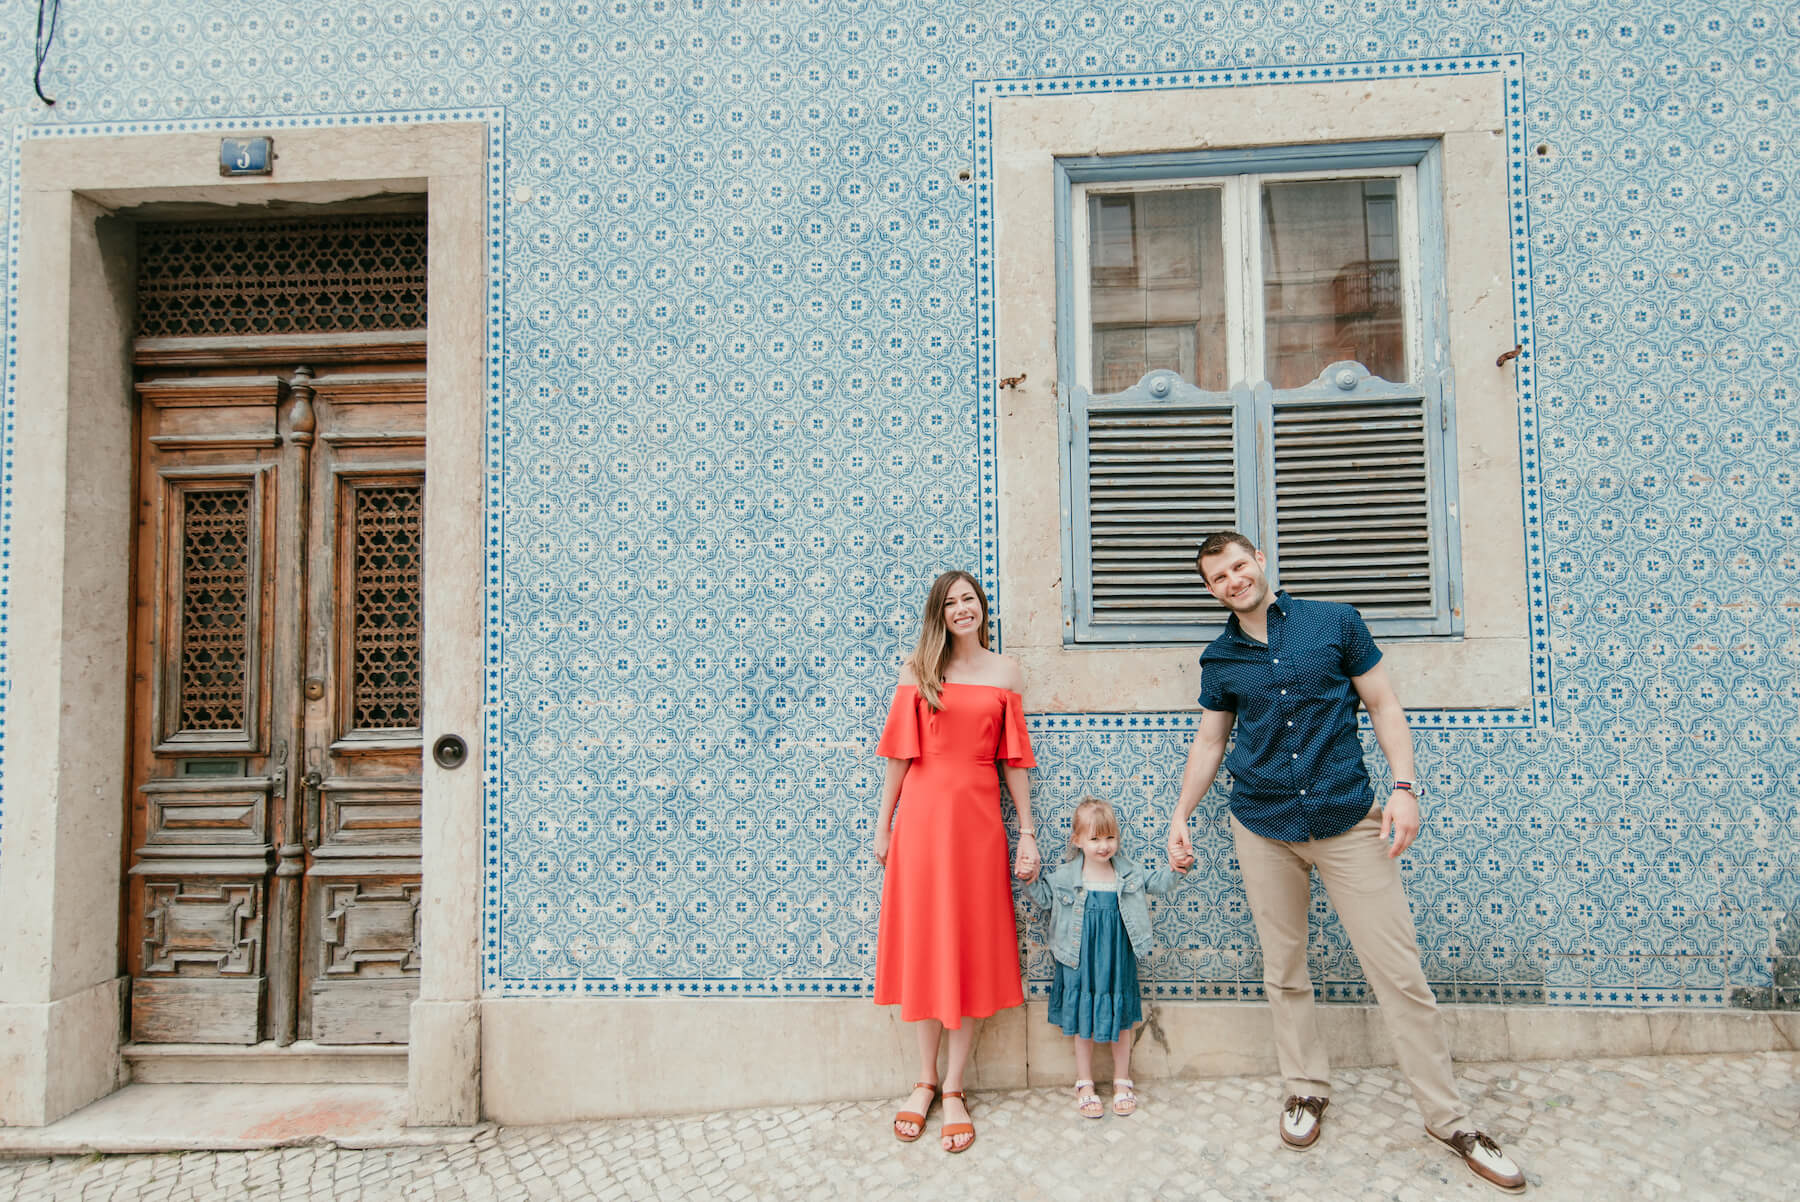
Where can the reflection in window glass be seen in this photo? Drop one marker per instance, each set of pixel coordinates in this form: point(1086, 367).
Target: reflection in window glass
point(1331, 279)
point(1157, 294)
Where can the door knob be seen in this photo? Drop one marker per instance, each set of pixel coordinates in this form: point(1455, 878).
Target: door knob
point(450, 751)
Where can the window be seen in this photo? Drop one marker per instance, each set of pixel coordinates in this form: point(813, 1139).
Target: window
point(1454, 222)
point(1257, 341)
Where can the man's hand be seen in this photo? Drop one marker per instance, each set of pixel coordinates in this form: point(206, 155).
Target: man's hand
point(1196, 778)
point(1400, 816)
point(1181, 848)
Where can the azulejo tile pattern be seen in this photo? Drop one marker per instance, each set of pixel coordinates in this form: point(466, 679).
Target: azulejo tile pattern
point(743, 414)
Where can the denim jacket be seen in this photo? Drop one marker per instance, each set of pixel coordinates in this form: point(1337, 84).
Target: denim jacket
point(1061, 892)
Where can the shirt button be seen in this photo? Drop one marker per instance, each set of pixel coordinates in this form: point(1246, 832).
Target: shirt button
point(1303, 792)
point(1296, 755)
point(1290, 723)
point(1277, 661)
point(1284, 692)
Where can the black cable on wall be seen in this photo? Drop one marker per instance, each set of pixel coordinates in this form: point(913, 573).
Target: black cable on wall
point(46, 34)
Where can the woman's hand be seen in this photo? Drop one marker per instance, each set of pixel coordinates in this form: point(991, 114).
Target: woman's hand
point(1027, 865)
point(882, 836)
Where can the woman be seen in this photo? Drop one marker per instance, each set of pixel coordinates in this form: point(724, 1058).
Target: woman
point(948, 949)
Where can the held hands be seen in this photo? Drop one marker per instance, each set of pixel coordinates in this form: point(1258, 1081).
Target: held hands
point(1026, 866)
point(1181, 848)
point(1401, 816)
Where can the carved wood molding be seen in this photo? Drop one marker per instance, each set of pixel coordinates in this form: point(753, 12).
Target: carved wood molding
point(377, 346)
point(192, 811)
point(359, 389)
point(215, 928)
point(207, 392)
point(370, 925)
point(370, 817)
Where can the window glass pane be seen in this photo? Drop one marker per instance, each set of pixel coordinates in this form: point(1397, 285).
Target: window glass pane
point(1156, 286)
point(1331, 279)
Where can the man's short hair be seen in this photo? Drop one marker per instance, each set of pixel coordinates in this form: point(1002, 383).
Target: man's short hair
point(1216, 544)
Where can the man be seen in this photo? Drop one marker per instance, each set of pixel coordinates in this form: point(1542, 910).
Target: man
point(1289, 673)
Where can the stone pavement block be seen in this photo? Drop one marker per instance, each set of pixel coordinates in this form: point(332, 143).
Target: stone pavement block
point(1585, 1131)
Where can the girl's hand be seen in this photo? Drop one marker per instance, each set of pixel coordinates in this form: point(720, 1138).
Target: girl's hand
point(1026, 866)
point(882, 837)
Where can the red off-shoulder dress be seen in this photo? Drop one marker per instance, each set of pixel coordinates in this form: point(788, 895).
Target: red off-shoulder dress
point(948, 948)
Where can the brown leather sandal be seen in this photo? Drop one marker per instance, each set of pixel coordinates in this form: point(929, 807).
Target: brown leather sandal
point(913, 1117)
point(952, 1130)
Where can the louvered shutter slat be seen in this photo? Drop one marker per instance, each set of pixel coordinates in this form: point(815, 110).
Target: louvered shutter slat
point(1348, 519)
point(1159, 479)
point(1352, 504)
point(1386, 488)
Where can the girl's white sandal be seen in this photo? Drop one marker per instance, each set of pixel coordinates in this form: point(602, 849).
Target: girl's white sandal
point(1090, 1105)
point(1124, 1097)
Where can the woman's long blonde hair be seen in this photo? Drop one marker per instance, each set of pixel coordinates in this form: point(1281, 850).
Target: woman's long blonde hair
point(933, 651)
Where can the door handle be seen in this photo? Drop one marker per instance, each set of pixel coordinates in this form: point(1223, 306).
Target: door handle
point(450, 751)
point(313, 781)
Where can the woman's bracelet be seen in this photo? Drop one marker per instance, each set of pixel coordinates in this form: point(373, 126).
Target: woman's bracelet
point(1024, 832)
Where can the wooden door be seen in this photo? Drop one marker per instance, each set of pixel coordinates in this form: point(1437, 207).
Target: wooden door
point(274, 863)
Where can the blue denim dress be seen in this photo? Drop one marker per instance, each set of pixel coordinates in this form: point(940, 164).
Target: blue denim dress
point(1099, 997)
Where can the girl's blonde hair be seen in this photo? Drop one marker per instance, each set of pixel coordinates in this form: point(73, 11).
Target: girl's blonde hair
point(1094, 816)
point(933, 652)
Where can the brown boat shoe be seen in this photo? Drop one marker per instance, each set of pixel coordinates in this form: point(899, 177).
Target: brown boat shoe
point(1301, 1119)
point(1484, 1158)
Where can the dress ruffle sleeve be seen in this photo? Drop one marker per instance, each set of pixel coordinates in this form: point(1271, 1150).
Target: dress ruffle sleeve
point(900, 737)
point(1015, 740)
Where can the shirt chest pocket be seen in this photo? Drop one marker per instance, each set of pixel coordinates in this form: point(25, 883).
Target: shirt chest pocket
point(1065, 897)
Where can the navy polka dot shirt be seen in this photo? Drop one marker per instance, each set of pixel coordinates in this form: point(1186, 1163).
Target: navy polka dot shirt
point(1297, 767)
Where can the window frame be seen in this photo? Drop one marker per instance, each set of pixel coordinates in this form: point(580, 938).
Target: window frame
point(1253, 399)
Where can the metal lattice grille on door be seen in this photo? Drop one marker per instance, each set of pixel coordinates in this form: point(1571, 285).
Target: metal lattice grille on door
point(386, 669)
point(340, 275)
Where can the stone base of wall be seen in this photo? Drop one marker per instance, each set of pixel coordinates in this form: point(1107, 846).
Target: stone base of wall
point(444, 1064)
point(56, 1057)
point(547, 1061)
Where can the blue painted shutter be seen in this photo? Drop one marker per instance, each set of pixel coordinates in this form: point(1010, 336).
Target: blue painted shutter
point(1156, 470)
point(1352, 497)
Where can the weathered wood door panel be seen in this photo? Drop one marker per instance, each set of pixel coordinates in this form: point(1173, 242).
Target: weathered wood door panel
point(274, 878)
point(360, 962)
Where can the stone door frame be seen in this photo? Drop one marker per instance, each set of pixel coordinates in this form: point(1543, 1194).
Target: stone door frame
point(67, 706)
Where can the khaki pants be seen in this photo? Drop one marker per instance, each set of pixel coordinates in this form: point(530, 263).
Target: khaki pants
point(1364, 885)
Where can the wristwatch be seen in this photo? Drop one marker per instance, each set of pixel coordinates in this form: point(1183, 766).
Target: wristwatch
point(1407, 786)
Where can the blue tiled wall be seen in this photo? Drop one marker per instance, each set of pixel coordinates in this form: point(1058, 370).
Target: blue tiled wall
point(740, 430)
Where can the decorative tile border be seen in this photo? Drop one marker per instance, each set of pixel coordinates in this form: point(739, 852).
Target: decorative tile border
point(9, 402)
point(493, 774)
point(1510, 68)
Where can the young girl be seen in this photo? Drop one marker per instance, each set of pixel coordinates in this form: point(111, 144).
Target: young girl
point(1099, 925)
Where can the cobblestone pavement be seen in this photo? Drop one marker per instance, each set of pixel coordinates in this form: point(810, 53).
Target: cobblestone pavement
point(1701, 1127)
